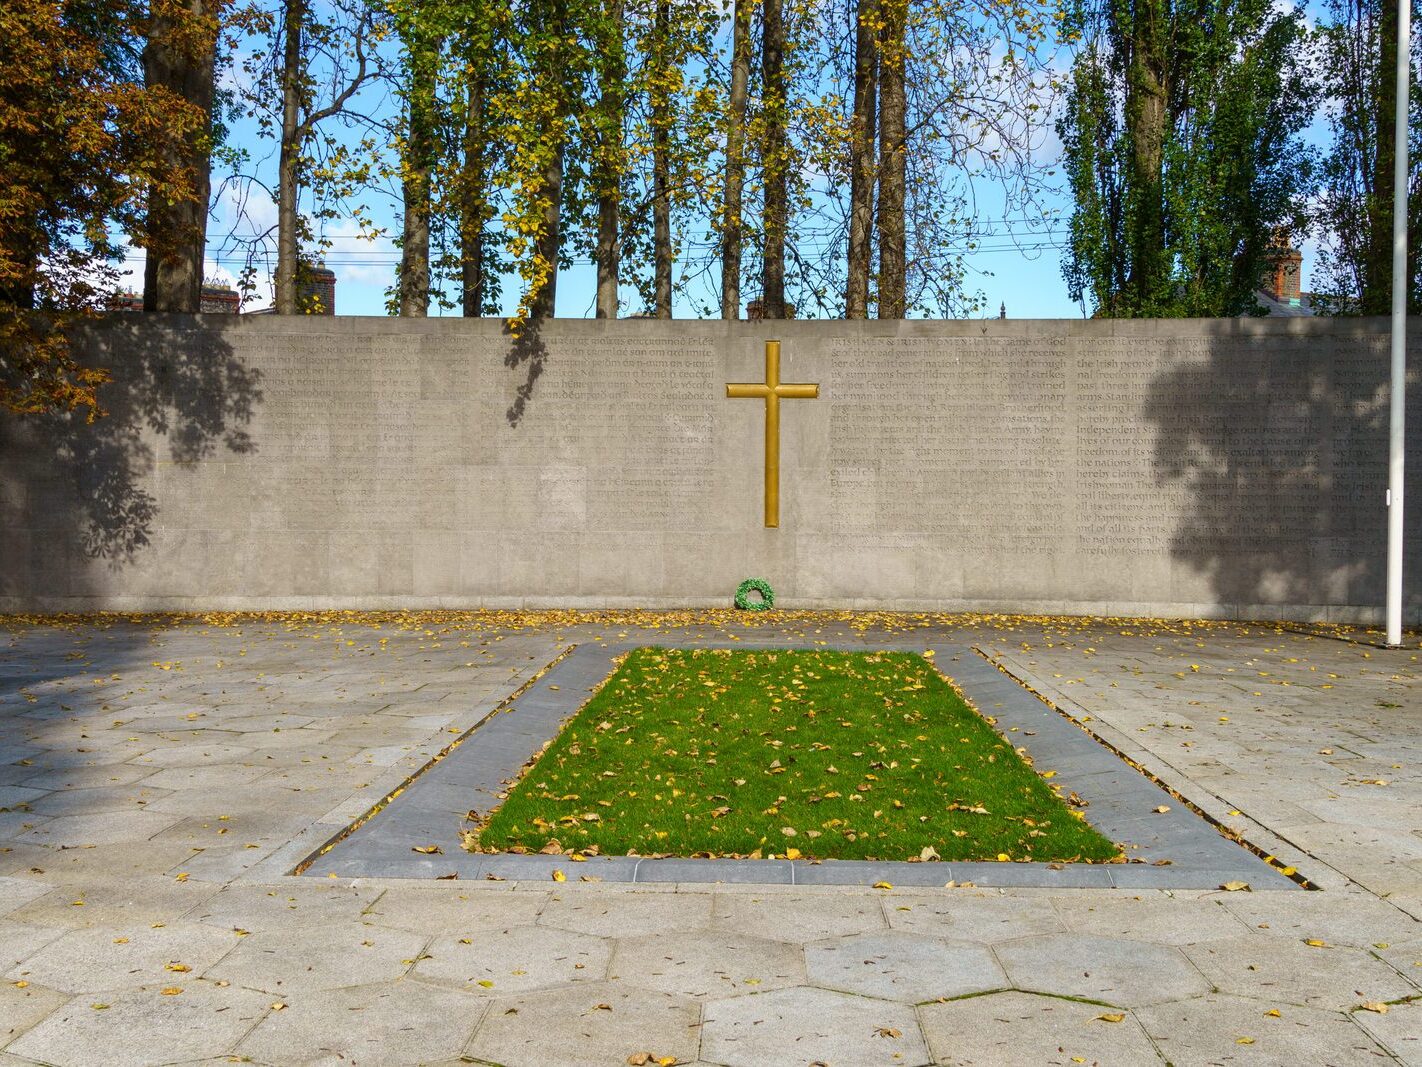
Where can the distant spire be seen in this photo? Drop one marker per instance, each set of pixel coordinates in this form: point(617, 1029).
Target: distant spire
point(1002, 311)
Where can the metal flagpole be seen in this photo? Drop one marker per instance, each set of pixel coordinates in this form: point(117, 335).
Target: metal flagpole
point(1398, 404)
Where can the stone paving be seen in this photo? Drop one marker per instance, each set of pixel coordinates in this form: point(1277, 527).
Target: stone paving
point(158, 784)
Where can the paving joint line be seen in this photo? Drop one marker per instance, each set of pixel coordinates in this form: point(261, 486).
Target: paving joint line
point(1287, 871)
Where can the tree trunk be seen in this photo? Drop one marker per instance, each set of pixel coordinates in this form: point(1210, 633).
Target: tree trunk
point(893, 301)
point(289, 161)
point(1376, 297)
point(775, 211)
point(181, 58)
point(1147, 93)
point(661, 177)
point(414, 279)
point(861, 160)
point(473, 202)
point(609, 176)
point(551, 239)
point(735, 161)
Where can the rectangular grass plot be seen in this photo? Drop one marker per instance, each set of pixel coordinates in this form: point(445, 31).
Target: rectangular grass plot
point(837, 755)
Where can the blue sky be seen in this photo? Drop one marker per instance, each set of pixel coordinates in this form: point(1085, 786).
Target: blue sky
point(1012, 267)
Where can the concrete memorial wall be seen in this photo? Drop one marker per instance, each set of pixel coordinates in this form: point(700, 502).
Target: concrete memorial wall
point(1229, 468)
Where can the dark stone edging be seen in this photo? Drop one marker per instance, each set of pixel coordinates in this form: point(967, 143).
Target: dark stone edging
point(1122, 802)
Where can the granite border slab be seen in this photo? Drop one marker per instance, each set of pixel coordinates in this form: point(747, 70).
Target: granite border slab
point(1174, 848)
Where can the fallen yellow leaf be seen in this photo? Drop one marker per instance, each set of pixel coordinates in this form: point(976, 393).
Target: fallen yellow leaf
point(1112, 1016)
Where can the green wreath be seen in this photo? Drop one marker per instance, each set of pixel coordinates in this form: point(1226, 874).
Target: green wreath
point(759, 585)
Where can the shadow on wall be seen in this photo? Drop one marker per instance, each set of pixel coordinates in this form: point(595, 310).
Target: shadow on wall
point(1282, 451)
point(178, 392)
point(526, 350)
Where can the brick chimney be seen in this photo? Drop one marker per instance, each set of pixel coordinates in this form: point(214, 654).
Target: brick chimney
point(219, 299)
point(1281, 281)
point(318, 289)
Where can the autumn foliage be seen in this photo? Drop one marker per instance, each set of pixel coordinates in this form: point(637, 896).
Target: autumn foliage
point(83, 146)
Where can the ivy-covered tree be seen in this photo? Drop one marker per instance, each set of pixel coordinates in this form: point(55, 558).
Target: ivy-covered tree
point(1183, 153)
point(180, 55)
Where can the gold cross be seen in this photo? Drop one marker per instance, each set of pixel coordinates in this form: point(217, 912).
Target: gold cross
point(771, 390)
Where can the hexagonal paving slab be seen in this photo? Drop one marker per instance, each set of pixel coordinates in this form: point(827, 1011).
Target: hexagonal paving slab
point(1339, 917)
point(973, 915)
point(1213, 1029)
point(608, 912)
point(259, 907)
point(1289, 971)
point(141, 1027)
point(897, 965)
point(1101, 968)
point(86, 961)
point(391, 1023)
point(796, 920)
point(319, 957)
point(708, 963)
point(441, 910)
point(803, 1026)
point(1009, 1029)
point(516, 960)
point(588, 1023)
point(1163, 920)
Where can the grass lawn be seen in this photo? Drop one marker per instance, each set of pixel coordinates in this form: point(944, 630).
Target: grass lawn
point(834, 755)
